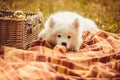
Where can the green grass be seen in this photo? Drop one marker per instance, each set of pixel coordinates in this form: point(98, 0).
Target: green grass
point(106, 13)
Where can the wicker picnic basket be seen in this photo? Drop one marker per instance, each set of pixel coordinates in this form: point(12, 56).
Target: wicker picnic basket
point(19, 33)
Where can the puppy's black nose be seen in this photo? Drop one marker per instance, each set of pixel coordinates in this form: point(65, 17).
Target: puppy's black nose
point(64, 43)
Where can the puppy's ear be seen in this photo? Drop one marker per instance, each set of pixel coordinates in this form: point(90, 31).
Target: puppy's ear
point(51, 22)
point(76, 23)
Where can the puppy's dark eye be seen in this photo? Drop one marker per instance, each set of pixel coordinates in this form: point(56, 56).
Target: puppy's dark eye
point(69, 37)
point(59, 36)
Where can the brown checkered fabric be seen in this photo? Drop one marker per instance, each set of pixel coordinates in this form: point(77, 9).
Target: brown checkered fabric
point(98, 58)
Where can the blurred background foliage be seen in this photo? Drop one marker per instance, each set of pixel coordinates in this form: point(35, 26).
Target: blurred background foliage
point(106, 13)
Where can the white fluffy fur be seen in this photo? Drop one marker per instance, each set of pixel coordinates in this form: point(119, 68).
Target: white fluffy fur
point(67, 24)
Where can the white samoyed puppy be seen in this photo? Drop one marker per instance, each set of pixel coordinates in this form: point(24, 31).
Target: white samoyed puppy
point(65, 28)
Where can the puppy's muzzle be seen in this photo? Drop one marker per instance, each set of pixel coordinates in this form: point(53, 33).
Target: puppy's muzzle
point(64, 43)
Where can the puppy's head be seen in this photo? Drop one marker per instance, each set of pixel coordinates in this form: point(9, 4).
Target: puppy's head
point(65, 34)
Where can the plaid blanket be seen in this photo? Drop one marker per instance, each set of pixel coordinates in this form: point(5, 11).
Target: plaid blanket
point(98, 58)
